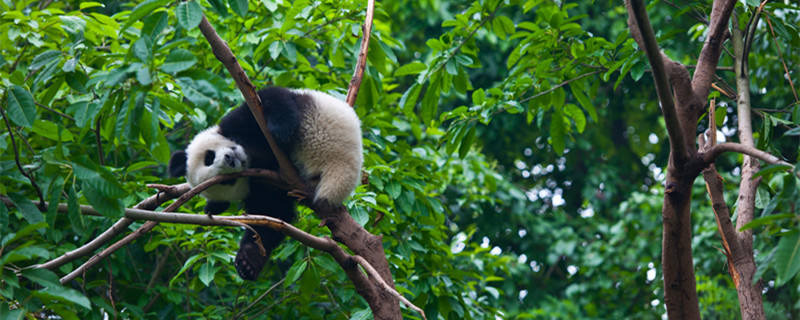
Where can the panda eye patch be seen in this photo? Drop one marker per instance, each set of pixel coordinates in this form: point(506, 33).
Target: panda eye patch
point(209, 159)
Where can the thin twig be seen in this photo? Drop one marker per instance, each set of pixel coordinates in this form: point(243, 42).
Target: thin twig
point(361, 65)
point(778, 47)
point(54, 111)
point(19, 164)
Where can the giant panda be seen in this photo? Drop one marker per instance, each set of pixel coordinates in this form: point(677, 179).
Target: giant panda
point(319, 133)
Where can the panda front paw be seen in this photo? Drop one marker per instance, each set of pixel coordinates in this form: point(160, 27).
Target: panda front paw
point(249, 260)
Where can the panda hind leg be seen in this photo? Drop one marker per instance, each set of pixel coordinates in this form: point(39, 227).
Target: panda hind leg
point(262, 200)
point(215, 207)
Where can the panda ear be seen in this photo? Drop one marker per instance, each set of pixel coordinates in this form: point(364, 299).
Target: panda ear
point(177, 164)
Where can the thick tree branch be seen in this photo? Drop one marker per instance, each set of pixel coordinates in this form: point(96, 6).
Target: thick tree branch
point(361, 65)
point(717, 150)
point(712, 48)
point(749, 292)
point(642, 30)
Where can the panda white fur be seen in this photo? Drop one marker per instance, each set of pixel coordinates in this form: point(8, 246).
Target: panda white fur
point(320, 134)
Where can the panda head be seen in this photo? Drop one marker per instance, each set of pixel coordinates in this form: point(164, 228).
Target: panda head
point(208, 155)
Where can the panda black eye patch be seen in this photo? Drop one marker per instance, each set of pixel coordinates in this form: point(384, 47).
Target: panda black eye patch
point(209, 159)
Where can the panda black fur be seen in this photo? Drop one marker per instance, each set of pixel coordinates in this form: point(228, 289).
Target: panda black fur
point(320, 134)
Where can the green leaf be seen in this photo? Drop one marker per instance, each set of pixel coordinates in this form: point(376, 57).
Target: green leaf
point(787, 257)
point(771, 169)
point(21, 108)
point(275, 49)
point(50, 131)
point(90, 4)
point(206, 272)
point(414, 67)
point(189, 14)
point(478, 97)
point(461, 81)
point(42, 277)
point(294, 272)
point(219, 7)
point(141, 49)
point(409, 98)
point(466, 143)
point(44, 58)
point(239, 7)
point(577, 115)
point(178, 60)
point(70, 65)
point(393, 188)
point(766, 220)
point(3, 218)
point(29, 210)
point(73, 213)
point(83, 112)
point(67, 295)
point(155, 24)
point(577, 92)
point(362, 314)
point(430, 102)
point(450, 67)
point(557, 131)
point(719, 115)
point(142, 10)
point(77, 81)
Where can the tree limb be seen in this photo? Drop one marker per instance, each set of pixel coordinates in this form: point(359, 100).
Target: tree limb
point(712, 48)
point(642, 31)
point(717, 150)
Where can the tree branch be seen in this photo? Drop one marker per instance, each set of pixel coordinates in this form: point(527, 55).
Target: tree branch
point(712, 48)
point(361, 65)
point(642, 31)
point(717, 150)
point(19, 164)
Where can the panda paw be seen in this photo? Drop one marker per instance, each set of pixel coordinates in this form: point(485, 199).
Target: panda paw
point(249, 261)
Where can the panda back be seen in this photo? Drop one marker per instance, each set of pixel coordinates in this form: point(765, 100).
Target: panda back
point(328, 147)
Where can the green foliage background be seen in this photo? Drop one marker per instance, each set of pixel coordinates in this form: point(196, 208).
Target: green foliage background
point(515, 154)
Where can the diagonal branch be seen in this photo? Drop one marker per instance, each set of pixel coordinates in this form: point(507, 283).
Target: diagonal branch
point(707, 63)
point(361, 65)
point(224, 54)
point(641, 28)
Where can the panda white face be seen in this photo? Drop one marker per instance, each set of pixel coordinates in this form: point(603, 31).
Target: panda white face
point(210, 154)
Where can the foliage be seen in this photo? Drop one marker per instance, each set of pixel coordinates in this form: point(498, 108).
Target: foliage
point(514, 159)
